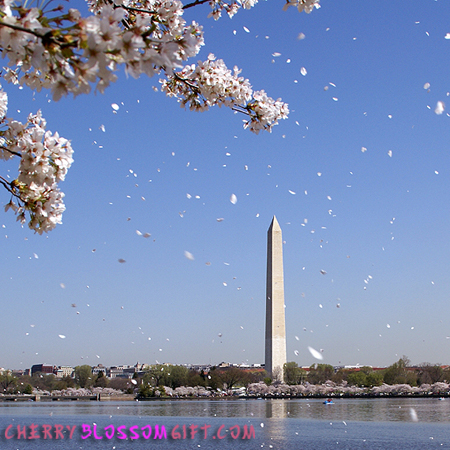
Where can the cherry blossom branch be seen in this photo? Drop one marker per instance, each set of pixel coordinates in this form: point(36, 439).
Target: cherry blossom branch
point(69, 54)
point(211, 83)
point(44, 161)
point(7, 185)
point(5, 149)
point(23, 29)
point(197, 2)
point(139, 10)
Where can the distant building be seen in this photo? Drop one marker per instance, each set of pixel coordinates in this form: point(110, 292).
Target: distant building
point(224, 364)
point(65, 371)
point(198, 367)
point(123, 371)
point(43, 368)
point(21, 372)
point(99, 368)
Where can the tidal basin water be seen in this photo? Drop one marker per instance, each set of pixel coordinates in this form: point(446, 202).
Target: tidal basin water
point(388, 424)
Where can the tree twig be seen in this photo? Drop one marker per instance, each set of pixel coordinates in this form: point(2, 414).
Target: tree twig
point(7, 185)
point(12, 152)
point(25, 30)
point(197, 2)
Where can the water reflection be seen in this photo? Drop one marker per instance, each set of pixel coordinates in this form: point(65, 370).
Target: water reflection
point(277, 408)
point(367, 410)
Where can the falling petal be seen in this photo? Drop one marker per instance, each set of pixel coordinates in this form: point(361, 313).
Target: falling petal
point(233, 199)
point(291, 192)
point(115, 106)
point(303, 71)
point(413, 414)
point(390, 153)
point(61, 336)
point(189, 255)
point(315, 353)
point(426, 86)
point(302, 36)
point(363, 149)
point(121, 260)
point(440, 106)
point(246, 30)
point(276, 54)
point(323, 272)
point(296, 352)
point(447, 36)
point(102, 127)
point(220, 219)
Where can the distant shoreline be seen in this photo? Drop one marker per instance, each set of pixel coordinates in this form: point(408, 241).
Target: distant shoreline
point(132, 397)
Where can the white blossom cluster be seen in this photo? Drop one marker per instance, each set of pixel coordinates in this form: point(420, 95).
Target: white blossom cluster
point(302, 5)
point(211, 83)
point(79, 392)
point(398, 389)
point(187, 391)
point(330, 389)
point(231, 9)
point(265, 112)
point(69, 53)
point(44, 161)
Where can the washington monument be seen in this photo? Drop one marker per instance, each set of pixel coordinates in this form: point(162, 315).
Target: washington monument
point(275, 322)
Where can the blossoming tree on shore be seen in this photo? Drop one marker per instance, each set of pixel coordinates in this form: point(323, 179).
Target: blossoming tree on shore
point(55, 48)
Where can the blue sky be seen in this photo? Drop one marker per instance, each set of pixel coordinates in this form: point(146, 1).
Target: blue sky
point(376, 224)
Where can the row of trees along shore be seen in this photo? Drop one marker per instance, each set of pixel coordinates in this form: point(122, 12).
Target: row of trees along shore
point(173, 380)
